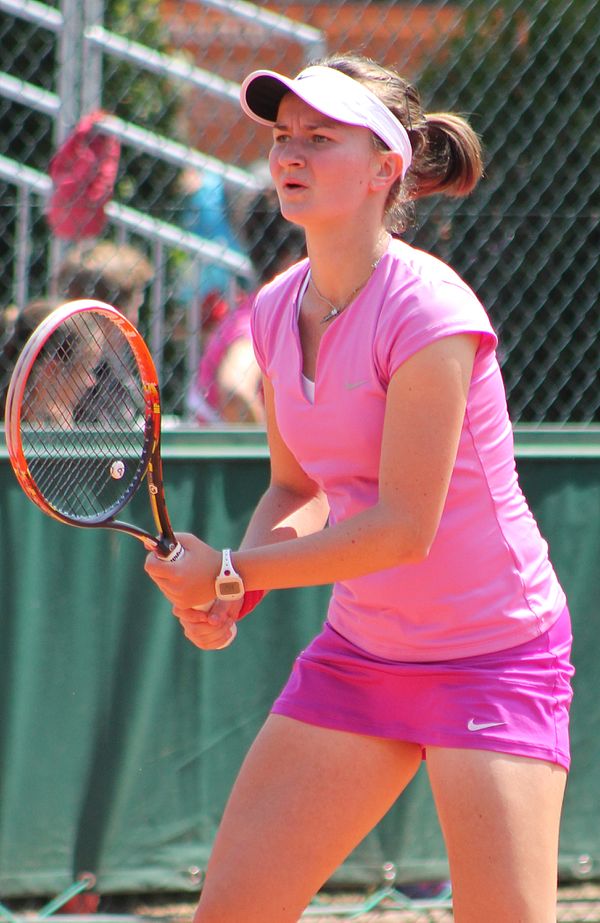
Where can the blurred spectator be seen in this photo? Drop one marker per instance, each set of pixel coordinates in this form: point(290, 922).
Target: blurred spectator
point(117, 274)
point(18, 327)
point(206, 212)
point(68, 376)
point(228, 385)
point(109, 272)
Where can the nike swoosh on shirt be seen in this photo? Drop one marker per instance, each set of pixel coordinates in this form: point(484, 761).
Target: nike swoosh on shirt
point(481, 726)
point(351, 385)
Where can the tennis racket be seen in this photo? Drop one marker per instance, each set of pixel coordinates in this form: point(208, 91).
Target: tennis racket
point(83, 421)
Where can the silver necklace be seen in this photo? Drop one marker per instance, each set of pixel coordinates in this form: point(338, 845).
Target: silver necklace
point(335, 310)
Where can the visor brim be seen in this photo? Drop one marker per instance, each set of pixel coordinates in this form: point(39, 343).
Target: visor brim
point(261, 95)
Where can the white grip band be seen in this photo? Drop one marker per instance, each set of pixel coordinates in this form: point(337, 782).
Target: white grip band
point(175, 553)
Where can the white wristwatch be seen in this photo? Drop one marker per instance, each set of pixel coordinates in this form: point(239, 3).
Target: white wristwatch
point(229, 584)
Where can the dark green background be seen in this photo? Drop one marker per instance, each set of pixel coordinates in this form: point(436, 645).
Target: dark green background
point(119, 740)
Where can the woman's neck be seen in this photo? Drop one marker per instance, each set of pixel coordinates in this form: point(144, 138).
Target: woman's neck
point(341, 265)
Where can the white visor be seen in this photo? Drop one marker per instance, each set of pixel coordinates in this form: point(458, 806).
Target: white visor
point(330, 92)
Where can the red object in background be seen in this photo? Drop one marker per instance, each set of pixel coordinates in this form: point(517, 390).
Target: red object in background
point(83, 171)
point(83, 903)
point(213, 309)
point(250, 601)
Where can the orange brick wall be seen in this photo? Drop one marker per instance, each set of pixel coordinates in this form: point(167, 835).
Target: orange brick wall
point(218, 42)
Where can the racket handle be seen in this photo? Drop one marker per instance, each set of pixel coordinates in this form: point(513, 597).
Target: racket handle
point(176, 554)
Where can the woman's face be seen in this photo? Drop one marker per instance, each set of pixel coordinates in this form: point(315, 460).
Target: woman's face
point(60, 381)
point(322, 169)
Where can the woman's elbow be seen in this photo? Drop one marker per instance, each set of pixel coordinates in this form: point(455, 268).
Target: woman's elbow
point(412, 543)
point(417, 552)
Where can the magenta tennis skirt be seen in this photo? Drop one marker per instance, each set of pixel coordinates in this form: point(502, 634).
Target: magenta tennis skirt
point(511, 701)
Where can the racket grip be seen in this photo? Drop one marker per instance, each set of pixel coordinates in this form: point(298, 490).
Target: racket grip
point(176, 554)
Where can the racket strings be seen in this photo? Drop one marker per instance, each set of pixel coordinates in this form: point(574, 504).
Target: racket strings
point(79, 486)
point(84, 419)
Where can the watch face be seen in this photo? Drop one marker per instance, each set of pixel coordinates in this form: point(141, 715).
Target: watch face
point(229, 588)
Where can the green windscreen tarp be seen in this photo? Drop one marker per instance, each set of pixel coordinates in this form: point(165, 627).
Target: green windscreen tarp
point(119, 740)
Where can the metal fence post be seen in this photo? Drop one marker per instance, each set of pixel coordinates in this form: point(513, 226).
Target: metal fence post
point(68, 82)
point(91, 73)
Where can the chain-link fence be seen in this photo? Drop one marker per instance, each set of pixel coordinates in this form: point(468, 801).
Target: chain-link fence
point(190, 196)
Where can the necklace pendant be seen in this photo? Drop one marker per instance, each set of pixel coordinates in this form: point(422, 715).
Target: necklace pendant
point(333, 313)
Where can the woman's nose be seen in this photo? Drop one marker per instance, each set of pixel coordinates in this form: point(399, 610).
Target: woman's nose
point(290, 154)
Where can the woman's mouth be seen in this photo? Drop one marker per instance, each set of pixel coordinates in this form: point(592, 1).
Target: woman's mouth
point(292, 185)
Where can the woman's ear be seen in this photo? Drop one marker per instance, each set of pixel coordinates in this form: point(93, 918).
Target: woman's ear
point(387, 171)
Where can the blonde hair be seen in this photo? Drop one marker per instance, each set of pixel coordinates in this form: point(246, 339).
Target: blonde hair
point(108, 271)
point(447, 154)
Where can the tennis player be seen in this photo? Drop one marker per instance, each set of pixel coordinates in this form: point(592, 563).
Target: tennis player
point(447, 636)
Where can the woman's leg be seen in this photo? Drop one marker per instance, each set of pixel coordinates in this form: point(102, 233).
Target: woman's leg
point(500, 818)
point(304, 798)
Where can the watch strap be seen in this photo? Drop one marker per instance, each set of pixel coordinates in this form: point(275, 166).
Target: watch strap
point(227, 576)
point(227, 568)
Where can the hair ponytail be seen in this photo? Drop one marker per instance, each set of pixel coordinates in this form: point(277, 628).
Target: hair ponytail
point(450, 160)
point(447, 156)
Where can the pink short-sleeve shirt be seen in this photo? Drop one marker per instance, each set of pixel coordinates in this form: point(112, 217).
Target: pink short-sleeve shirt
point(487, 583)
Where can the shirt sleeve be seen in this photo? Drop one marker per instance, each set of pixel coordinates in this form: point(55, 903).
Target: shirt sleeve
point(423, 313)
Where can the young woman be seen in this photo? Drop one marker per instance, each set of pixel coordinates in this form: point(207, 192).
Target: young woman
point(447, 634)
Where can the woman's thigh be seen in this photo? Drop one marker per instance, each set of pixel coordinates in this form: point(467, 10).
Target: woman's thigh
point(500, 818)
point(304, 798)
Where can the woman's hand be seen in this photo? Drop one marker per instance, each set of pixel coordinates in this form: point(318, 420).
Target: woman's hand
point(189, 585)
point(189, 581)
point(211, 628)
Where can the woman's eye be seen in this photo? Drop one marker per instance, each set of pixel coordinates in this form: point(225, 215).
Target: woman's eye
point(279, 139)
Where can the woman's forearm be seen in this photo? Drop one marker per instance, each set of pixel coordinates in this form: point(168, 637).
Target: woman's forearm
point(282, 515)
point(367, 542)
